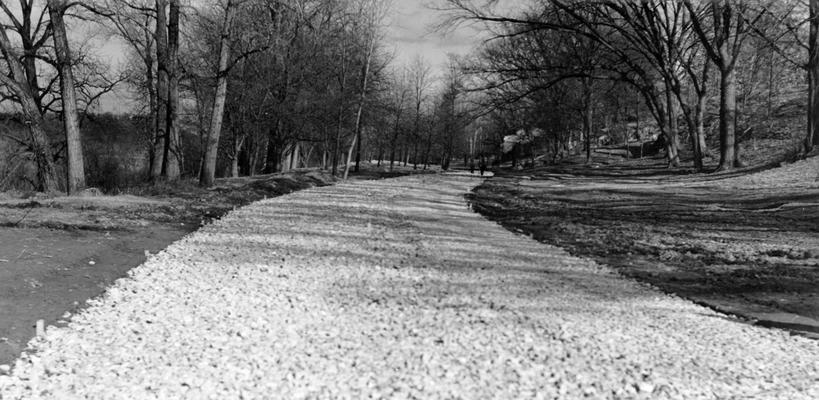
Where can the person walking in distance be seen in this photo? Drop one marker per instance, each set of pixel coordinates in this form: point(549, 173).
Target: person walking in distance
point(483, 165)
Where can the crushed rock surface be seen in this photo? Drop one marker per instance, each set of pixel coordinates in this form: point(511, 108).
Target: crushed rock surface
point(396, 289)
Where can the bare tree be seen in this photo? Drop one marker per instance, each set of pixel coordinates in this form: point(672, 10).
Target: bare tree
point(365, 77)
point(342, 76)
point(208, 173)
point(18, 83)
point(659, 33)
point(729, 28)
point(812, 136)
point(788, 33)
point(161, 43)
point(375, 11)
point(75, 166)
point(449, 110)
point(172, 160)
point(399, 98)
point(420, 76)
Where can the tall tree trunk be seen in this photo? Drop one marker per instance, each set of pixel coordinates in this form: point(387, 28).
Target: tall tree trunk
point(637, 122)
point(234, 161)
point(692, 116)
point(295, 155)
point(46, 175)
point(284, 161)
point(699, 110)
point(415, 155)
point(358, 152)
point(234, 166)
point(325, 150)
point(272, 151)
point(172, 160)
point(365, 74)
point(428, 150)
point(340, 122)
point(695, 143)
point(416, 134)
point(396, 131)
point(208, 174)
point(152, 134)
point(658, 109)
point(727, 119)
point(252, 150)
point(337, 141)
point(769, 102)
point(30, 66)
point(812, 136)
point(626, 133)
point(672, 139)
point(40, 147)
point(75, 168)
point(349, 157)
point(273, 148)
point(587, 117)
point(699, 121)
point(161, 36)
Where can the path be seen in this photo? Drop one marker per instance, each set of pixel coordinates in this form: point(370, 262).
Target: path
point(396, 289)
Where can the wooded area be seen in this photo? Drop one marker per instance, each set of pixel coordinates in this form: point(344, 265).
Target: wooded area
point(721, 72)
point(246, 87)
point(231, 88)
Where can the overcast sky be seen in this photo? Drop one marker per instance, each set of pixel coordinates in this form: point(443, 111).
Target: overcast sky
point(411, 33)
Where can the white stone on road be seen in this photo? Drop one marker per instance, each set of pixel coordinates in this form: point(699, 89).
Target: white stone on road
point(396, 289)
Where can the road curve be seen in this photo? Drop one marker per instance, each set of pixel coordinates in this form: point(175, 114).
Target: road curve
point(396, 289)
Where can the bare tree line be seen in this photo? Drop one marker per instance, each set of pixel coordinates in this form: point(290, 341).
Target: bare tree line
point(246, 87)
point(678, 56)
point(236, 87)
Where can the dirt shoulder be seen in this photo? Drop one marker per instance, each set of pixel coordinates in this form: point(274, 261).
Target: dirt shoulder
point(58, 252)
point(744, 243)
point(49, 273)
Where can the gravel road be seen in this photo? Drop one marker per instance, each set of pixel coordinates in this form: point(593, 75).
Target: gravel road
point(396, 289)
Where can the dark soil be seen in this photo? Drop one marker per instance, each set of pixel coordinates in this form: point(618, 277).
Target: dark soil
point(744, 244)
point(56, 253)
point(46, 273)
